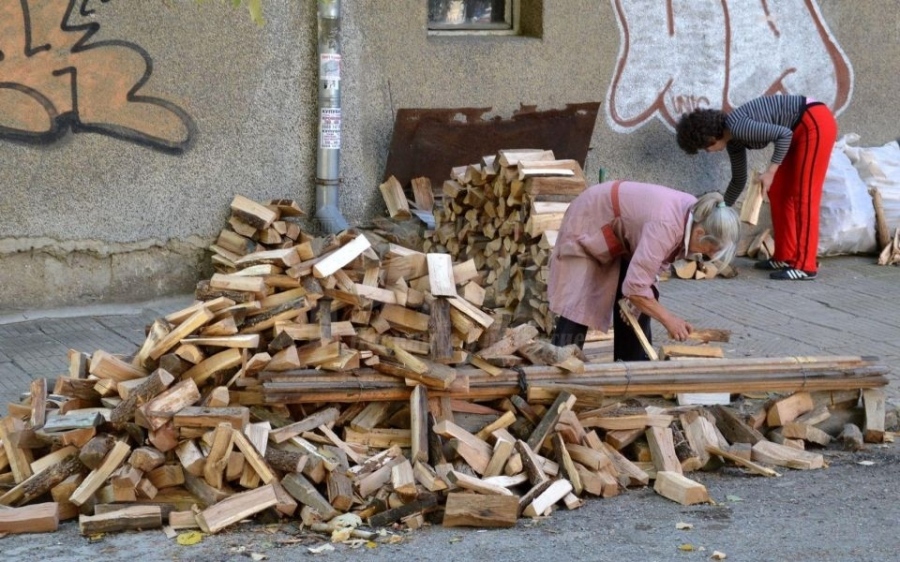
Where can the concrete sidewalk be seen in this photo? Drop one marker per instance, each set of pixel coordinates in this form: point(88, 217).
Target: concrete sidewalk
point(850, 309)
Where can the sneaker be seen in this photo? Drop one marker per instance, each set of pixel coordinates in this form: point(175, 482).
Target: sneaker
point(771, 265)
point(791, 274)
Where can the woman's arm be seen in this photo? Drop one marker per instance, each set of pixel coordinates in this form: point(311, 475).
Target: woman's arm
point(678, 329)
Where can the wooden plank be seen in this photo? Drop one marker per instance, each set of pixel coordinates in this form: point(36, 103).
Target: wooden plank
point(625, 307)
point(235, 508)
point(742, 462)
point(477, 510)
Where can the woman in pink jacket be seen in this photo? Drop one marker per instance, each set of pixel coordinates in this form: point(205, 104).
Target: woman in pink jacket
point(614, 240)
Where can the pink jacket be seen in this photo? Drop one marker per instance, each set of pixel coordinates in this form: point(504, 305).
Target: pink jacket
point(583, 269)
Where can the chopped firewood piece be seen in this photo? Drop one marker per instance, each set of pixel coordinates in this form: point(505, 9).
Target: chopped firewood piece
point(779, 455)
point(341, 257)
point(106, 366)
point(322, 417)
point(662, 448)
point(98, 476)
point(256, 461)
point(155, 413)
point(38, 518)
point(256, 215)
point(555, 492)
point(131, 518)
point(477, 510)
point(440, 275)
point(340, 491)
point(475, 451)
point(184, 329)
point(304, 492)
point(394, 198)
point(423, 502)
point(873, 401)
point(679, 488)
point(235, 508)
point(564, 401)
point(788, 409)
point(733, 428)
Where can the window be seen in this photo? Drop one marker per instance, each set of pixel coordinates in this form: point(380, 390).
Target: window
point(472, 15)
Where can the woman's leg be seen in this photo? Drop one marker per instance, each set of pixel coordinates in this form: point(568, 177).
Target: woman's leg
point(815, 143)
point(626, 344)
point(796, 191)
point(567, 332)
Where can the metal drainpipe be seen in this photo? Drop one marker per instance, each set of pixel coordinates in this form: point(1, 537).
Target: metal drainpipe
point(328, 164)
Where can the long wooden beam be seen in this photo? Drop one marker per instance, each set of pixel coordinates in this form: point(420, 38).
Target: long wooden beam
point(613, 379)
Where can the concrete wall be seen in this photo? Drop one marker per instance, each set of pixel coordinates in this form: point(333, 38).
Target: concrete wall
point(124, 210)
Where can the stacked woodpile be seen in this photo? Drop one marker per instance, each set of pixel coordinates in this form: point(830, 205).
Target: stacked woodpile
point(316, 377)
point(504, 213)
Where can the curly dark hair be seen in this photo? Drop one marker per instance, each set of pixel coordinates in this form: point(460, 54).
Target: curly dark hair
point(700, 128)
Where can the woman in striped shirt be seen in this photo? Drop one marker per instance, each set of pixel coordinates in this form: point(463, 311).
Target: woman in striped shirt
point(803, 131)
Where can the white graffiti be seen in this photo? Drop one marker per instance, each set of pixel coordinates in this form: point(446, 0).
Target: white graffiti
point(678, 55)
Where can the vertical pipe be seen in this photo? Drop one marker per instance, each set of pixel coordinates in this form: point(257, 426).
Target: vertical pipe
point(328, 163)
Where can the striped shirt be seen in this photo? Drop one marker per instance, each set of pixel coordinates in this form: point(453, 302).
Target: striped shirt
point(755, 124)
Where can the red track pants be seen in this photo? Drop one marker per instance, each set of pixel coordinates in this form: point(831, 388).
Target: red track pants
point(796, 190)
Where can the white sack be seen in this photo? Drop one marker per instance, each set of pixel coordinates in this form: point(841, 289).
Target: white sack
point(879, 167)
point(846, 215)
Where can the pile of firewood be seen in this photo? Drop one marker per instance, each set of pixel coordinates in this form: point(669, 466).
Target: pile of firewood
point(504, 213)
point(320, 376)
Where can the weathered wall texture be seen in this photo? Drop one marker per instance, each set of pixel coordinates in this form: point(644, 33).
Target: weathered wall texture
point(176, 107)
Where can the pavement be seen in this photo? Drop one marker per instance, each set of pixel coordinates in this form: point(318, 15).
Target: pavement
point(850, 309)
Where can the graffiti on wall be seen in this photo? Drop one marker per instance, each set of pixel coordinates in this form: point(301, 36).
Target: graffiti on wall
point(679, 55)
point(54, 78)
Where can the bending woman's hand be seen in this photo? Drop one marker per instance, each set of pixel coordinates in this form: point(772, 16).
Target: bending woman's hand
point(767, 177)
point(678, 329)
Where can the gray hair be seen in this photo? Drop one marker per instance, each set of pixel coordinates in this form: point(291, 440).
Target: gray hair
point(721, 224)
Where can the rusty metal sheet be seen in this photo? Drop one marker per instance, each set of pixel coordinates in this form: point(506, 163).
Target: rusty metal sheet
point(429, 142)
